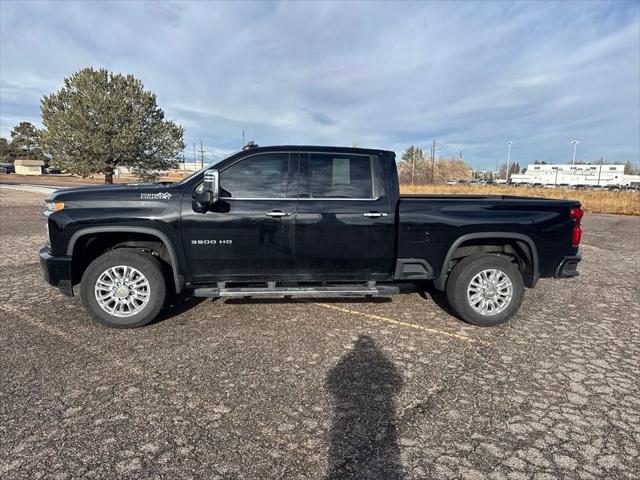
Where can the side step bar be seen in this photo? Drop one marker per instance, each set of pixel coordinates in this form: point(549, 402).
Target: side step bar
point(280, 292)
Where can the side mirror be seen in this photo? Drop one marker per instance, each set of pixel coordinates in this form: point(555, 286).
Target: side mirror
point(210, 193)
point(211, 184)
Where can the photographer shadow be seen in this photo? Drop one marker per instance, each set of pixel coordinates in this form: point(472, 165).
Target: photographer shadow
point(364, 438)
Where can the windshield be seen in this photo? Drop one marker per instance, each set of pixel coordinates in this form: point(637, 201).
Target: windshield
point(206, 167)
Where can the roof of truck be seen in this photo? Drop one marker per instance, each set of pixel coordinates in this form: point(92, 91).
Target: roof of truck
point(320, 148)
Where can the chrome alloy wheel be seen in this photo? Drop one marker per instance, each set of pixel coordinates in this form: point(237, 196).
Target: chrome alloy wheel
point(490, 292)
point(122, 291)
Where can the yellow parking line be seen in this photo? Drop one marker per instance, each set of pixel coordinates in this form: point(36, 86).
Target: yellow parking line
point(396, 322)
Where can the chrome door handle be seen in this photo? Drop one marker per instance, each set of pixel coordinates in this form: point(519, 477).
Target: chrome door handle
point(374, 214)
point(278, 214)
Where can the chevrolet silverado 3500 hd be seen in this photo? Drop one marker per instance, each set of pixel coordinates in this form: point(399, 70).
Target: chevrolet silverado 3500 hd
point(301, 221)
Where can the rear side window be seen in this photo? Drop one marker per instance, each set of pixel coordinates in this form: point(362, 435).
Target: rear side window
point(260, 176)
point(341, 176)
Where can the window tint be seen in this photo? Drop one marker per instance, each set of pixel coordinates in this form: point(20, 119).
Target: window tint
point(340, 176)
point(260, 176)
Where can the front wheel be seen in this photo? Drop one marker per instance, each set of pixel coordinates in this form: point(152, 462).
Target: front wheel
point(485, 290)
point(123, 288)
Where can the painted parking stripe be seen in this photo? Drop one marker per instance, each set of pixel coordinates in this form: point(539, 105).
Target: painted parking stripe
point(379, 318)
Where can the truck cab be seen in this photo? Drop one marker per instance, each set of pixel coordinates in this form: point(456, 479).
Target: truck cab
point(294, 215)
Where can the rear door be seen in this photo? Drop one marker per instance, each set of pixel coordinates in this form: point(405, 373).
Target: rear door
point(345, 220)
point(249, 233)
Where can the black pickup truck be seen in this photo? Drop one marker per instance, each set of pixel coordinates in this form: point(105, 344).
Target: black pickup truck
point(301, 221)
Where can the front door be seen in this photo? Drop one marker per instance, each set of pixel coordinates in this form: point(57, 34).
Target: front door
point(250, 232)
point(345, 221)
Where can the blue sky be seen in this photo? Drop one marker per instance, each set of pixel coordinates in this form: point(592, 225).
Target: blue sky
point(471, 75)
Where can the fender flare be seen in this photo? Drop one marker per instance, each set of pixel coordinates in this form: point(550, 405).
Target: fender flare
point(442, 278)
point(177, 278)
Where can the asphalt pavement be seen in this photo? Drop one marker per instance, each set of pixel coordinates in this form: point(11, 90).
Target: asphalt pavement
point(394, 388)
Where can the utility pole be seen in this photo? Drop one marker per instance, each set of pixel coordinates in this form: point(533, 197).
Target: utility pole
point(433, 160)
point(506, 176)
point(600, 170)
point(413, 164)
point(201, 155)
point(243, 143)
point(195, 161)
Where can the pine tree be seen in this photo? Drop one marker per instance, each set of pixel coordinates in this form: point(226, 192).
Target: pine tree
point(412, 168)
point(99, 120)
point(25, 140)
point(6, 152)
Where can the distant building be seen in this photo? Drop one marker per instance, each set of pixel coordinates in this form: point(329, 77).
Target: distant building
point(28, 167)
point(583, 175)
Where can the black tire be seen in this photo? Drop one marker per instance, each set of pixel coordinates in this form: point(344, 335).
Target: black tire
point(147, 265)
point(460, 278)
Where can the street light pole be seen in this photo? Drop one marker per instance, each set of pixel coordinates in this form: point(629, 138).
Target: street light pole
point(573, 161)
point(433, 157)
point(509, 143)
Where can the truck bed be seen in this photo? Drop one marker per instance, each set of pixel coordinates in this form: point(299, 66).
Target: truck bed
point(430, 225)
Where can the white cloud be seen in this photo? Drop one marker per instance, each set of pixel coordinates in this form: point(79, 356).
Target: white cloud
point(472, 75)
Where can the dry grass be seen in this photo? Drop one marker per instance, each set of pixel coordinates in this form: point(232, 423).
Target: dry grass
point(596, 201)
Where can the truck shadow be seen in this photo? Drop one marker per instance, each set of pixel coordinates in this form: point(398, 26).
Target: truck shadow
point(364, 437)
point(426, 290)
point(178, 305)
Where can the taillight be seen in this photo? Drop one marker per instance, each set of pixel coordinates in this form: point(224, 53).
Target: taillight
point(576, 235)
point(576, 214)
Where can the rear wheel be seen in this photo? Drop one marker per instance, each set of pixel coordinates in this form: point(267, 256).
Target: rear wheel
point(485, 290)
point(123, 288)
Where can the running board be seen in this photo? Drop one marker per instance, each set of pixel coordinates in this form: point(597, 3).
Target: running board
point(280, 292)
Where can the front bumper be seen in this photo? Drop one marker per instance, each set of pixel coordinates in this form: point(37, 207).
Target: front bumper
point(57, 271)
point(568, 267)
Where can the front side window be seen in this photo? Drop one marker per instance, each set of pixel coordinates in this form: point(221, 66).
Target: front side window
point(259, 176)
point(341, 176)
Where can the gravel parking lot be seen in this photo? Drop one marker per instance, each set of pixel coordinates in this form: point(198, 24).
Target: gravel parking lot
point(391, 389)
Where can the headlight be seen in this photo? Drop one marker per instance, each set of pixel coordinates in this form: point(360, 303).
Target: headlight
point(55, 206)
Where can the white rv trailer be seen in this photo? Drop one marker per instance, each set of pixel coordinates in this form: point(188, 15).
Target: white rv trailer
point(575, 175)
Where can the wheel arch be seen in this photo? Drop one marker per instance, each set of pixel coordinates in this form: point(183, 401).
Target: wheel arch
point(173, 259)
point(530, 279)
